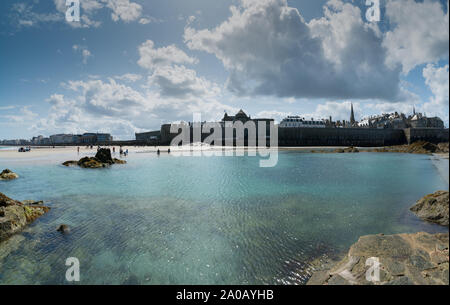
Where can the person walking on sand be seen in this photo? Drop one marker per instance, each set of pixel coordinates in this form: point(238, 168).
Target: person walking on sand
point(114, 149)
point(78, 149)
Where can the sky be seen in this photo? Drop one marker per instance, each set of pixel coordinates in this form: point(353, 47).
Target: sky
point(131, 65)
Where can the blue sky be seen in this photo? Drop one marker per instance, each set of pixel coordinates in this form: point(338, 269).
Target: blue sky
point(131, 65)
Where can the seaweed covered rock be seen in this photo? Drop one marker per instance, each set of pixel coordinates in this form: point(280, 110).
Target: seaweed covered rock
point(8, 175)
point(350, 149)
point(402, 259)
point(102, 159)
point(15, 215)
point(104, 156)
point(419, 147)
point(433, 208)
point(6, 201)
point(87, 162)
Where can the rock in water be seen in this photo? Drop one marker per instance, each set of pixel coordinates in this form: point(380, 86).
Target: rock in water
point(63, 229)
point(102, 159)
point(433, 208)
point(104, 156)
point(8, 175)
point(405, 259)
point(15, 215)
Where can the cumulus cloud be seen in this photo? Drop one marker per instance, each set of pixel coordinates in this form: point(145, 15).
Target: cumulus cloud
point(151, 57)
point(420, 33)
point(124, 10)
point(180, 82)
point(170, 76)
point(437, 79)
point(110, 106)
point(269, 49)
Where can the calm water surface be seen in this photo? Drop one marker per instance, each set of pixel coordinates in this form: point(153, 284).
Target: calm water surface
point(210, 220)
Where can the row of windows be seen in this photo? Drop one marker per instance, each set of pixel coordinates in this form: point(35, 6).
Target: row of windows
point(306, 122)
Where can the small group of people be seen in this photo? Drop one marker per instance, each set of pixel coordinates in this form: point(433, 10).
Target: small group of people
point(121, 151)
point(25, 149)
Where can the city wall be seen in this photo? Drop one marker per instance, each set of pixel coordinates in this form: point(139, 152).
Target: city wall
point(324, 137)
point(433, 135)
point(362, 137)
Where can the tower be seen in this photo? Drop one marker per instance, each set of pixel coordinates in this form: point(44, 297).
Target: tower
point(352, 117)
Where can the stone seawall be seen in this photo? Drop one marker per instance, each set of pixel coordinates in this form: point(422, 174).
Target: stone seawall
point(432, 135)
point(340, 137)
point(362, 137)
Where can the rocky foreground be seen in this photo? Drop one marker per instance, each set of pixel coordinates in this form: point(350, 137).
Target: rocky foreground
point(419, 147)
point(102, 159)
point(405, 259)
point(8, 175)
point(15, 215)
point(433, 208)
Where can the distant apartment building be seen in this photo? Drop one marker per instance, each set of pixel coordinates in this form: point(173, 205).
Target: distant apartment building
point(86, 138)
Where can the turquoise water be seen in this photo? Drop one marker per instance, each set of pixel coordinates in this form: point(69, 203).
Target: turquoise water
point(210, 220)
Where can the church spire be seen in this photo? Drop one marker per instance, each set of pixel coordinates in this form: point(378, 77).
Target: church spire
point(352, 116)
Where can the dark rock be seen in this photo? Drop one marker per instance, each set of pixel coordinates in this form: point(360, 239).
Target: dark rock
point(433, 208)
point(6, 201)
point(102, 159)
point(104, 156)
point(63, 229)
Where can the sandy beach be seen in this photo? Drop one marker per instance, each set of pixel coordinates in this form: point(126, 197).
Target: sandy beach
point(64, 153)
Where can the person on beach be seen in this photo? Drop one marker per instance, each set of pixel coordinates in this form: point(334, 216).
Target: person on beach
point(158, 152)
point(78, 149)
point(114, 150)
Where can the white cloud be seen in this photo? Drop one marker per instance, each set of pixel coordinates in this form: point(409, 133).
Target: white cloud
point(129, 77)
point(180, 82)
point(420, 33)
point(24, 115)
point(269, 49)
point(170, 76)
point(23, 15)
point(124, 10)
point(437, 79)
point(278, 116)
point(85, 53)
point(151, 57)
point(109, 106)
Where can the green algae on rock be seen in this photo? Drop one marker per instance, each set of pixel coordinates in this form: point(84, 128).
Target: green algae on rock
point(15, 215)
